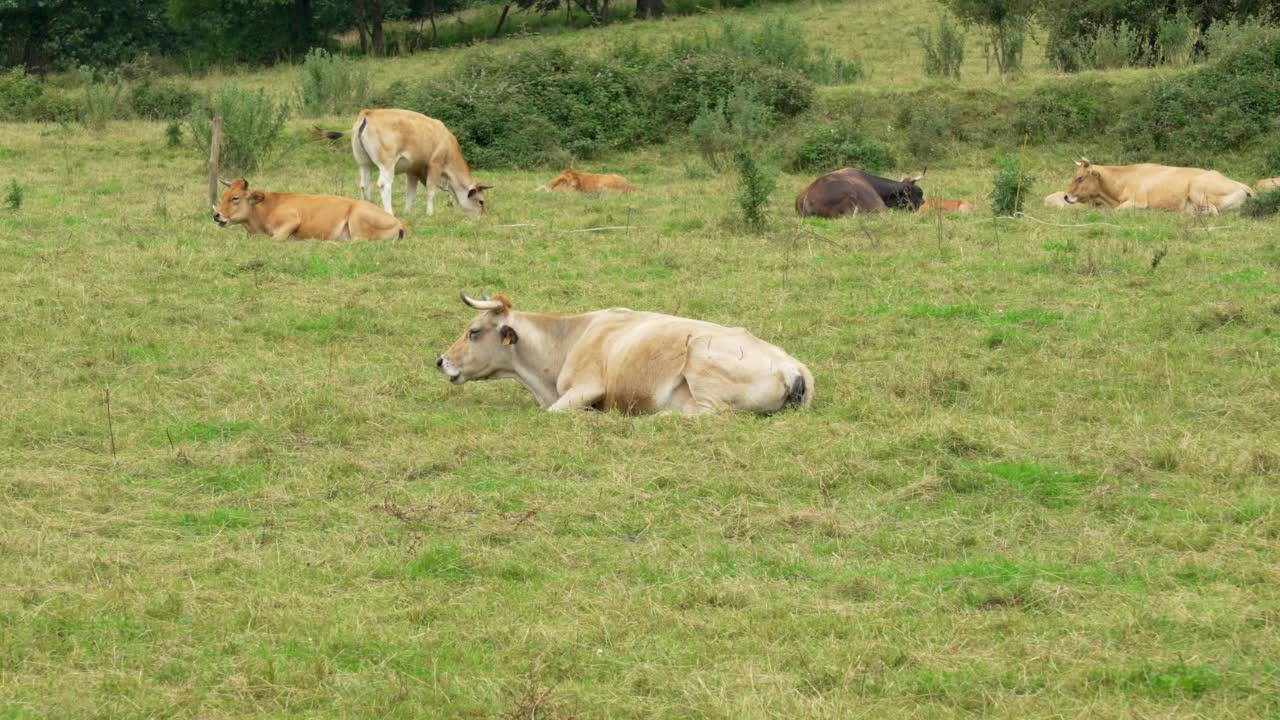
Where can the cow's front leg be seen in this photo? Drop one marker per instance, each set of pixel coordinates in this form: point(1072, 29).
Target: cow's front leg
point(578, 397)
point(433, 180)
point(285, 230)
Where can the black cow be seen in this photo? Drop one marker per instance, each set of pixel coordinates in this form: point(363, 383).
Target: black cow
point(901, 195)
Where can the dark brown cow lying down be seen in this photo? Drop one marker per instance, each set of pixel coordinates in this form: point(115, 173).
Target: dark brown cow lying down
point(839, 193)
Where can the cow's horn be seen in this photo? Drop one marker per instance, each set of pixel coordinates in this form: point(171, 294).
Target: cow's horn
point(224, 182)
point(485, 304)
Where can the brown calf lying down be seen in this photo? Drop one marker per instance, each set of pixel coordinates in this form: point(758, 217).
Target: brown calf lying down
point(590, 182)
point(946, 206)
point(305, 217)
point(620, 359)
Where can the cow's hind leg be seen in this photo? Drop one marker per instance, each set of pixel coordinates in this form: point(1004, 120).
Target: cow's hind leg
point(386, 176)
point(433, 179)
point(411, 192)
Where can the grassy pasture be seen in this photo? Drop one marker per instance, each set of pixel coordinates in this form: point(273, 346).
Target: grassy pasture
point(1039, 478)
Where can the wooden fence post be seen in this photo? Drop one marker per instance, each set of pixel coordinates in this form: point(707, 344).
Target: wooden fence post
point(214, 144)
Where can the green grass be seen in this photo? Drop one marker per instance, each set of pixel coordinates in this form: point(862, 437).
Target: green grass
point(1039, 478)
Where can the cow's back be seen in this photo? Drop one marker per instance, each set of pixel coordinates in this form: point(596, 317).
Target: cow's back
point(838, 193)
point(415, 137)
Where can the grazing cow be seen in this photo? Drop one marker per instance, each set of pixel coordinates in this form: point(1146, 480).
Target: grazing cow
point(843, 192)
point(403, 142)
point(590, 182)
point(1269, 184)
point(317, 217)
point(634, 362)
point(946, 206)
point(1158, 187)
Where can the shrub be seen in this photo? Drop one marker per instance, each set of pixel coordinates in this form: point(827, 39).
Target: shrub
point(943, 55)
point(740, 120)
point(831, 147)
point(1010, 187)
point(927, 132)
point(173, 134)
point(1264, 204)
point(13, 198)
point(1176, 38)
point(251, 125)
point(1229, 36)
point(1116, 47)
point(161, 100)
point(1066, 110)
point(712, 136)
point(1218, 107)
point(689, 83)
point(776, 44)
point(19, 94)
point(103, 99)
point(332, 84)
point(755, 184)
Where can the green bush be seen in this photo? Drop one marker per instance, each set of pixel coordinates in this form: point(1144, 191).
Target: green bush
point(755, 184)
point(1176, 38)
point(151, 100)
point(1010, 187)
point(830, 147)
point(332, 84)
point(13, 198)
point(1066, 110)
point(173, 134)
point(1264, 204)
point(1229, 36)
point(251, 125)
point(19, 94)
point(103, 100)
point(520, 109)
point(943, 55)
point(1194, 115)
point(927, 132)
point(1116, 47)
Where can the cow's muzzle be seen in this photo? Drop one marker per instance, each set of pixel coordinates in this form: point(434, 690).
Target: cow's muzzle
point(454, 375)
point(217, 217)
point(1070, 200)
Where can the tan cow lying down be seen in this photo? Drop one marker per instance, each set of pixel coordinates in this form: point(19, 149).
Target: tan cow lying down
point(590, 182)
point(403, 142)
point(946, 206)
point(634, 362)
point(1158, 187)
point(1269, 184)
point(306, 217)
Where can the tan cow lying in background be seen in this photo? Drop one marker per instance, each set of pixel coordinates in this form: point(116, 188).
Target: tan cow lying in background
point(946, 206)
point(634, 362)
point(1158, 187)
point(306, 217)
point(1269, 184)
point(590, 182)
point(403, 142)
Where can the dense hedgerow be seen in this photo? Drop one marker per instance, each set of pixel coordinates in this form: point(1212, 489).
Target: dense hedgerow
point(155, 100)
point(824, 148)
point(525, 109)
point(1065, 110)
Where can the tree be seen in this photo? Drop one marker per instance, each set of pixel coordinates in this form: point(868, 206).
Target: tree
point(368, 15)
point(650, 8)
point(1005, 23)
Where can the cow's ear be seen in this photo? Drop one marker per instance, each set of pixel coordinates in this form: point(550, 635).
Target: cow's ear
point(256, 197)
point(508, 335)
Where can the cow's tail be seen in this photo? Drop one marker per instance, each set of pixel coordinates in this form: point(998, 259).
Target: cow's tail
point(401, 233)
point(358, 142)
point(323, 134)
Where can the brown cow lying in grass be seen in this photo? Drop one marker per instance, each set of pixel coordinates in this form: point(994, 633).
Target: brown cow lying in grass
point(590, 182)
point(305, 217)
point(946, 206)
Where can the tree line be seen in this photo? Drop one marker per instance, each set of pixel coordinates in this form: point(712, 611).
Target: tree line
point(45, 35)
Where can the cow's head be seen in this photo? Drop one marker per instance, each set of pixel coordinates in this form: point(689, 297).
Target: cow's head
point(487, 347)
point(1086, 187)
point(568, 179)
point(471, 199)
point(912, 192)
point(237, 203)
